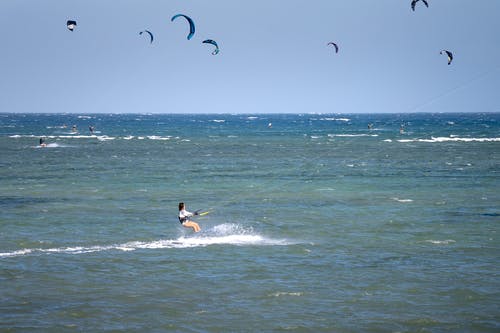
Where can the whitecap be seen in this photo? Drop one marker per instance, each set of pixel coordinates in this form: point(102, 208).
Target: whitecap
point(440, 242)
point(351, 135)
point(15, 253)
point(334, 119)
point(402, 200)
point(451, 139)
point(156, 137)
point(283, 293)
point(105, 138)
point(50, 145)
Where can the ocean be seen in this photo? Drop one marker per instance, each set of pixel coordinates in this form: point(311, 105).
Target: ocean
point(317, 223)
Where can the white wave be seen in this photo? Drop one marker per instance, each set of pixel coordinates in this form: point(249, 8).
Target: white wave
point(50, 145)
point(156, 137)
point(335, 119)
point(98, 137)
point(218, 120)
point(351, 135)
point(451, 139)
point(440, 242)
point(15, 253)
point(73, 136)
point(224, 234)
point(105, 138)
point(402, 200)
point(282, 293)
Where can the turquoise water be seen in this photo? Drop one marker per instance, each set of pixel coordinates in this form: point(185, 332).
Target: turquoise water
point(317, 223)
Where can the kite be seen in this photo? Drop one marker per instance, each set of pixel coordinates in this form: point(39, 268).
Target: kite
point(71, 25)
point(150, 35)
point(449, 54)
point(191, 24)
point(214, 43)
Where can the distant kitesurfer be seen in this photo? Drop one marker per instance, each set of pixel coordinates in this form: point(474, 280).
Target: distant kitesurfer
point(91, 129)
point(370, 126)
point(42, 142)
point(74, 129)
point(184, 216)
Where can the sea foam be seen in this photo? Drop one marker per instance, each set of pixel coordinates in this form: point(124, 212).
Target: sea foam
point(450, 139)
point(224, 234)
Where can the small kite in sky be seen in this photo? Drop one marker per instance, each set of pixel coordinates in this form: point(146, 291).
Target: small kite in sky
point(150, 35)
point(214, 43)
point(414, 2)
point(449, 54)
point(191, 24)
point(71, 25)
point(335, 46)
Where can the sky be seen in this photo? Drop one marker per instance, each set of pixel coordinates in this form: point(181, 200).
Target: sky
point(273, 58)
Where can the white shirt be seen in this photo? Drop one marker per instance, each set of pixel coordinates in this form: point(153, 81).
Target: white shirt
point(184, 214)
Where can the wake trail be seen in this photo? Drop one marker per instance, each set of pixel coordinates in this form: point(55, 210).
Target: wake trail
point(225, 234)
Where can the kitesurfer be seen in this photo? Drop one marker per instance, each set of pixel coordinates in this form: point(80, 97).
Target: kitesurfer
point(184, 216)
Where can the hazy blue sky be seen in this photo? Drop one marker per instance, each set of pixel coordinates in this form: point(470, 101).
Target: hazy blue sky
point(274, 56)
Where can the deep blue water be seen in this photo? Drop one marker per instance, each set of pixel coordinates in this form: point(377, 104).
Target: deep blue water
point(317, 223)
